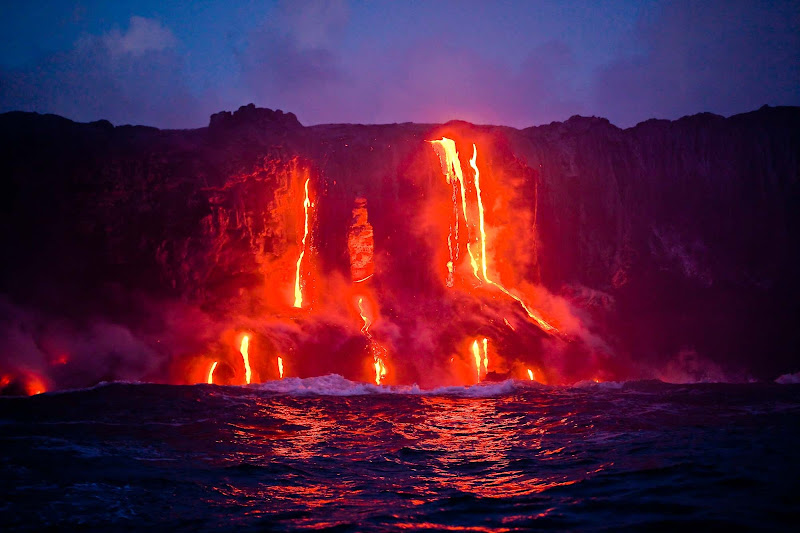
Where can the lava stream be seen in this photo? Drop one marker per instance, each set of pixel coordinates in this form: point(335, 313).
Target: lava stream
point(451, 167)
point(211, 373)
point(367, 322)
point(280, 366)
point(486, 356)
point(530, 374)
point(476, 353)
point(244, 351)
point(533, 315)
point(298, 294)
point(473, 164)
point(374, 347)
point(380, 369)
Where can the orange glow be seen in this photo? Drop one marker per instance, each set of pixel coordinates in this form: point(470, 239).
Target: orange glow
point(486, 356)
point(361, 243)
point(451, 167)
point(367, 322)
point(532, 314)
point(476, 353)
point(35, 385)
point(530, 374)
point(380, 369)
point(211, 373)
point(375, 348)
point(298, 293)
point(481, 226)
point(244, 351)
point(280, 366)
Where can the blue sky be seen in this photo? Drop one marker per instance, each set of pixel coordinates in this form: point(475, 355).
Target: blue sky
point(172, 64)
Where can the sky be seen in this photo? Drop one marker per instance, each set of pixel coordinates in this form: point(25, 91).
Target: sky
point(516, 63)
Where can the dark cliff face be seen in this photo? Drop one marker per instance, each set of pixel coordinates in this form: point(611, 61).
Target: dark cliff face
point(672, 243)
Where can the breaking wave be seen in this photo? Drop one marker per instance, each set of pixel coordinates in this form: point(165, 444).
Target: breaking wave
point(336, 385)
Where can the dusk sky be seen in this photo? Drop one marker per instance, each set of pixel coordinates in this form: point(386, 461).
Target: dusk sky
point(172, 64)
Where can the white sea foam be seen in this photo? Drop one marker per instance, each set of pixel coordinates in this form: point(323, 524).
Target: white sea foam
point(336, 385)
point(613, 385)
point(789, 379)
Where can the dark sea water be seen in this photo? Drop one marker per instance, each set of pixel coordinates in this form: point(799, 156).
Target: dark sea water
point(327, 454)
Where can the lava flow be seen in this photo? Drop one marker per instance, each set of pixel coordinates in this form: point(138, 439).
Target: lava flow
point(280, 367)
point(211, 373)
point(477, 355)
point(245, 355)
point(375, 348)
point(298, 293)
point(451, 166)
point(486, 356)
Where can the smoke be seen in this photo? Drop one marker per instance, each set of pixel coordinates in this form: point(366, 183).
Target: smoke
point(68, 354)
point(687, 366)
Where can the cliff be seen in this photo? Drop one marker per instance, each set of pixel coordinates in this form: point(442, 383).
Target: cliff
point(669, 243)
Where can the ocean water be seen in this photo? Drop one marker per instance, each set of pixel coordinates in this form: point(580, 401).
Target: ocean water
point(327, 454)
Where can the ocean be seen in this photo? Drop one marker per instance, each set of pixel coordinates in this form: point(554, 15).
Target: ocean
point(327, 454)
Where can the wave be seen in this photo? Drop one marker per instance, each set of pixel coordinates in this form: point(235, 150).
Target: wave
point(789, 379)
point(336, 385)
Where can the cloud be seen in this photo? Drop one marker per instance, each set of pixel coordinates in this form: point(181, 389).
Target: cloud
point(318, 60)
point(143, 35)
point(427, 81)
point(290, 60)
point(122, 76)
point(724, 57)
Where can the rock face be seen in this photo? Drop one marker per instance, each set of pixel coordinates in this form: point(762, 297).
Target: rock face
point(361, 243)
point(665, 239)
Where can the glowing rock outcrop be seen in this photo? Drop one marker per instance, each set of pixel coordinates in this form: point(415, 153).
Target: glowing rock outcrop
point(361, 244)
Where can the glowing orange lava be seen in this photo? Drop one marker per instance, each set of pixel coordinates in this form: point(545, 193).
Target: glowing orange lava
point(211, 373)
point(380, 370)
point(280, 366)
point(298, 293)
point(35, 385)
point(448, 157)
point(530, 374)
point(244, 351)
point(476, 353)
point(367, 322)
point(486, 356)
point(451, 167)
point(374, 347)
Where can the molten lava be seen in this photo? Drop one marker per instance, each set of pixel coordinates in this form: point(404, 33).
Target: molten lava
point(380, 370)
point(476, 353)
point(280, 367)
point(481, 226)
point(530, 374)
point(211, 373)
point(376, 349)
point(244, 351)
point(298, 293)
point(486, 356)
point(367, 322)
point(451, 167)
point(448, 157)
